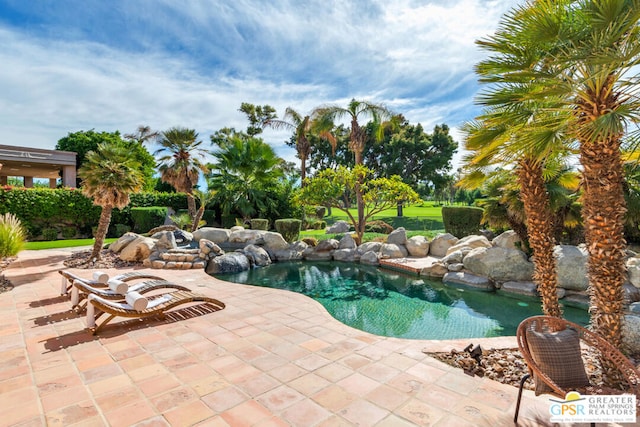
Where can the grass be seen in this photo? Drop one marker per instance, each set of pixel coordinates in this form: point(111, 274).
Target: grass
point(56, 244)
point(422, 217)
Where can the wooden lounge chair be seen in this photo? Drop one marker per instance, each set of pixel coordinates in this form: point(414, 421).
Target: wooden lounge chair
point(551, 347)
point(68, 278)
point(158, 306)
point(81, 290)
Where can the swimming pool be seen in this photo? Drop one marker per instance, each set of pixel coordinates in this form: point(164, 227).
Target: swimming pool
point(392, 304)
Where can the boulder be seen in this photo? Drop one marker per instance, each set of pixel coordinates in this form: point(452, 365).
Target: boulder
point(441, 243)
point(255, 237)
point(454, 257)
point(633, 268)
point(327, 245)
point(216, 235)
point(347, 242)
point(437, 269)
point(138, 249)
point(499, 264)
point(257, 256)
point(293, 253)
point(123, 241)
point(417, 246)
point(397, 236)
point(369, 258)
point(572, 267)
point(167, 227)
point(458, 266)
point(468, 279)
point(390, 250)
point(470, 242)
point(508, 240)
point(631, 333)
point(313, 255)
point(183, 237)
point(209, 249)
point(369, 247)
point(346, 255)
point(233, 262)
point(630, 293)
point(520, 288)
point(338, 227)
point(165, 240)
point(274, 241)
point(236, 228)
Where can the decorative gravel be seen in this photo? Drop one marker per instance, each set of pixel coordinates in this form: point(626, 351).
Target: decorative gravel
point(108, 259)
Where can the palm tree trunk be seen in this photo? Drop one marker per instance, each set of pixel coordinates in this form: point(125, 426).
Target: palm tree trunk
point(198, 217)
point(604, 210)
point(191, 206)
point(534, 196)
point(101, 232)
point(359, 199)
point(303, 170)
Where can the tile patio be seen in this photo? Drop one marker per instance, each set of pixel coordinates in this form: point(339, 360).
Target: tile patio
point(270, 358)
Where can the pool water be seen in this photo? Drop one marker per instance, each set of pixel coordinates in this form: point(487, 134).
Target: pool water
point(392, 304)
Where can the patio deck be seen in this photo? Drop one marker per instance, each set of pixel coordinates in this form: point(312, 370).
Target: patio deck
point(270, 358)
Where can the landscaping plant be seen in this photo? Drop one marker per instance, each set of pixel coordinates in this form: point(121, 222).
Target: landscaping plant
point(12, 235)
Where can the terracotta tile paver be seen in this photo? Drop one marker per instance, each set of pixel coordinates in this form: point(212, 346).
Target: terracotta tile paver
point(270, 358)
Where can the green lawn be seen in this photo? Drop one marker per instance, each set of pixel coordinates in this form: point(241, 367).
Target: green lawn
point(421, 217)
point(56, 244)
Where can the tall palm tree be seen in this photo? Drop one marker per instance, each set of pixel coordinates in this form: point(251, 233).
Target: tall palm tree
point(204, 197)
point(355, 111)
point(592, 54)
point(108, 176)
point(302, 128)
point(181, 161)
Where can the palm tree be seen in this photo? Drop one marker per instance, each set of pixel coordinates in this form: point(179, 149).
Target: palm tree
point(356, 110)
point(302, 128)
point(591, 50)
point(204, 197)
point(245, 169)
point(108, 176)
point(182, 161)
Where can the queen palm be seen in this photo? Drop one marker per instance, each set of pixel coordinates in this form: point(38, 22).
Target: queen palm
point(355, 111)
point(108, 176)
point(181, 161)
point(592, 47)
point(302, 127)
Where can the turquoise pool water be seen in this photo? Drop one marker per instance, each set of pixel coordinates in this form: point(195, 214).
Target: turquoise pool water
point(392, 304)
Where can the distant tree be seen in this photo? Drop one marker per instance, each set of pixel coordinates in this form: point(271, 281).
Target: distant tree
point(331, 188)
point(142, 135)
point(109, 174)
point(181, 161)
point(82, 142)
point(258, 115)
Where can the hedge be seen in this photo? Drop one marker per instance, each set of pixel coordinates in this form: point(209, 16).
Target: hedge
point(289, 228)
point(462, 221)
point(45, 208)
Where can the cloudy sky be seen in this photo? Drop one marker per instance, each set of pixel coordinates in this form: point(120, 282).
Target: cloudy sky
point(73, 65)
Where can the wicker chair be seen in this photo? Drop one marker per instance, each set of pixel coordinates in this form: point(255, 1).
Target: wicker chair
point(551, 348)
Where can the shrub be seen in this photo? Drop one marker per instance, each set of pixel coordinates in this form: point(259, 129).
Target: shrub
point(311, 241)
point(12, 235)
point(320, 212)
point(462, 221)
point(259, 224)
point(181, 220)
point(289, 228)
point(314, 224)
point(50, 234)
point(378, 226)
point(228, 221)
point(144, 219)
point(69, 232)
point(121, 229)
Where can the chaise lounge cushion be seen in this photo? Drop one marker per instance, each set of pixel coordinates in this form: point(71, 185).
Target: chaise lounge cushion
point(558, 356)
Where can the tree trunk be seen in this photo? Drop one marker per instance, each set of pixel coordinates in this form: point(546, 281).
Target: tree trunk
point(303, 170)
point(535, 198)
point(198, 217)
point(603, 211)
point(359, 199)
point(191, 206)
point(399, 208)
point(101, 232)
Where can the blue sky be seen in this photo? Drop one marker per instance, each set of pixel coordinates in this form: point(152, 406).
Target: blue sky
point(71, 65)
